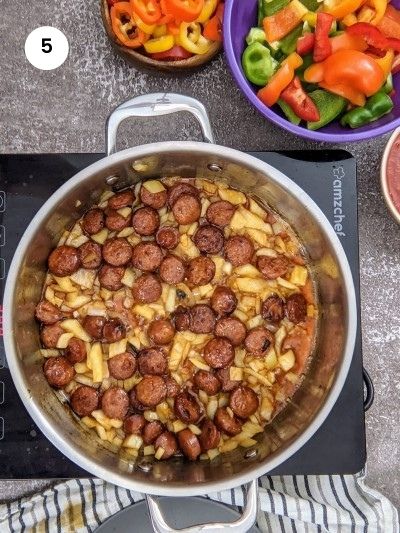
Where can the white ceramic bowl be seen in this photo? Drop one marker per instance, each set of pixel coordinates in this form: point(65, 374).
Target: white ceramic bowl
point(384, 182)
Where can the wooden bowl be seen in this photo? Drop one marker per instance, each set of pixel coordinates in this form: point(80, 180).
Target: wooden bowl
point(142, 61)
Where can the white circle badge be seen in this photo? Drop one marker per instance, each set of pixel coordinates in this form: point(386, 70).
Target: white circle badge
point(46, 48)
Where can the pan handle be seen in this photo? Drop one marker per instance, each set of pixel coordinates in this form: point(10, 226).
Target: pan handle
point(154, 105)
point(241, 525)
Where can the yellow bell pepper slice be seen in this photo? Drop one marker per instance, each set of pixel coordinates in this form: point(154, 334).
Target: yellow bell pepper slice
point(349, 20)
point(192, 40)
point(386, 62)
point(159, 44)
point(339, 9)
point(208, 9)
point(380, 7)
point(146, 28)
point(311, 18)
point(160, 30)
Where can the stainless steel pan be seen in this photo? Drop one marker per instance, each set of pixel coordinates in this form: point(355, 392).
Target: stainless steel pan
point(294, 426)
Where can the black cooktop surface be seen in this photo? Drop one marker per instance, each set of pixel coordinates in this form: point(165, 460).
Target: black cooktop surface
point(329, 177)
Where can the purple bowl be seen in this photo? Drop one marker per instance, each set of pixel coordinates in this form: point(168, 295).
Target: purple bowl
point(240, 16)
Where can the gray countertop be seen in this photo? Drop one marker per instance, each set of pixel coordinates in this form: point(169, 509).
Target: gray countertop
point(65, 111)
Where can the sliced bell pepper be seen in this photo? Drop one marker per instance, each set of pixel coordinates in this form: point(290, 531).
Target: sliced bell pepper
point(376, 107)
point(176, 53)
point(340, 8)
point(311, 5)
point(349, 20)
point(305, 44)
point(258, 65)
point(352, 95)
point(213, 28)
point(386, 62)
point(314, 73)
point(270, 94)
point(288, 43)
point(185, 10)
point(192, 40)
point(295, 96)
point(148, 10)
point(289, 113)
point(373, 36)
point(379, 7)
point(396, 64)
point(124, 26)
point(273, 6)
point(208, 10)
point(173, 28)
point(256, 35)
point(278, 25)
point(345, 41)
point(329, 106)
point(160, 30)
point(322, 45)
point(389, 25)
point(147, 28)
point(159, 44)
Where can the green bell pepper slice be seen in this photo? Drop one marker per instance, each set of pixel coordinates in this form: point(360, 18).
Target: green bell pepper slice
point(288, 43)
point(256, 35)
point(289, 113)
point(388, 87)
point(258, 65)
point(329, 106)
point(270, 7)
point(311, 5)
point(378, 105)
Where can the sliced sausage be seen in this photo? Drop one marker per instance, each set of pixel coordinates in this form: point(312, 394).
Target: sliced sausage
point(218, 353)
point(258, 341)
point(49, 335)
point(232, 328)
point(110, 277)
point(156, 200)
point(239, 250)
point(117, 252)
point(189, 444)
point(115, 221)
point(209, 437)
point(296, 308)
point(220, 213)
point(172, 270)
point(90, 254)
point(173, 387)
point(152, 361)
point(84, 400)
point(134, 424)
point(135, 404)
point(115, 403)
point(227, 384)
point(187, 408)
point(58, 371)
point(167, 237)
point(186, 209)
point(64, 260)
point(273, 267)
point(145, 221)
point(181, 188)
point(226, 423)
point(48, 313)
point(151, 391)
point(152, 430)
point(161, 331)
point(273, 309)
point(167, 442)
point(147, 289)
point(223, 300)
point(202, 319)
point(207, 382)
point(181, 318)
point(75, 352)
point(122, 366)
point(243, 401)
point(93, 221)
point(114, 330)
point(94, 326)
point(147, 256)
point(200, 271)
point(209, 239)
point(121, 199)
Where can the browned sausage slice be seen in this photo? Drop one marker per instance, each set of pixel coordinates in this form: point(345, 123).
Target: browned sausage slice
point(136, 405)
point(239, 250)
point(223, 300)
point(189, 444)
point(151, 391)
point(145, 221)
point(172, 270)
point(90, 255)
point(187, 408)
point(161, 331)
point(181, 188)
point(258, 341)
point(115, 403)
point(49, 335)
point(202, 319)
point(117, 252)
point(167, 442)
point(93, 221)
point(273, 267)
point(232, 328)
point(173, 387)
point(84, 400)
point(200, 271)
point(94, 326)
point(243, 401)
point(156, 200)
point(114, 330)
point(152, 431)
point(121, 199)
point(296, 308)
point(181, 318)
point(186, 209)
point(64, 260)
point(110, 277)
point(115, 221)
point(220, 213)
point(273, 309)
point(48, 313)
point(152, 361)
point(227, 383)
point(209, 239)
point(209, 437)
point(147, 256)
point(58, 371)
point(134, 424)
point(122, 366)
point(75, 351)
point(218, 353)
point(167, 237)
point(226, 423)
point(147, 289)
point(207, 382)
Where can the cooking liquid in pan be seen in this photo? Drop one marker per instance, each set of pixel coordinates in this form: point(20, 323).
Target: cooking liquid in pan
point(194, 340)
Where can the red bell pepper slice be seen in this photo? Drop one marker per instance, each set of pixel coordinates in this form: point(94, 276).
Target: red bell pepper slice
point(322, 46)
point(373, 36)
point(176, 53)
point(213, 28)
point(295, 96)
point(186, 10)
point(305, 44)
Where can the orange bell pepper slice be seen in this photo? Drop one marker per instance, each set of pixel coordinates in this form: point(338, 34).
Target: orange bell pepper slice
point(340, 8)
point(352, 95)
point(314, 73)
point(185, 10)
point(284, 21)
point(390, 23)
point(213, 28)
point(345, 41)
point(270, 94)
point(386, 62)
point(127, 33)
point(173, 27)
point(148, 10)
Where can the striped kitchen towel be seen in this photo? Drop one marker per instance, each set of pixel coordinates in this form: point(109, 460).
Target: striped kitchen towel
point(287, 504)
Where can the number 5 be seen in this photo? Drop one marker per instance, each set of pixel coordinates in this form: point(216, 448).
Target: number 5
point(46, 46)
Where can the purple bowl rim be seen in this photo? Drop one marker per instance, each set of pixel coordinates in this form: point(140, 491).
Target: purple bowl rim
point(277, 119)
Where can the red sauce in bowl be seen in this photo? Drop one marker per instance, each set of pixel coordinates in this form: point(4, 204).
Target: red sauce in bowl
point(393, 173)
